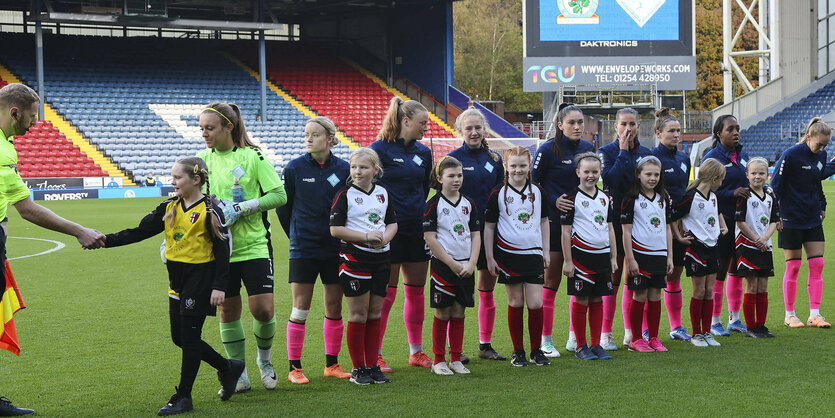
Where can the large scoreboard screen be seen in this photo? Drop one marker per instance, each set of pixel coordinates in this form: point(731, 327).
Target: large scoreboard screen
point(609, 42)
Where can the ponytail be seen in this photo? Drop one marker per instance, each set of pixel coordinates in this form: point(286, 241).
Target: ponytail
point(710, 169)
point(398, 109)
point(230, 113)
point(815, 127)
point(485, 126)
point(563, 110)
point(662, 117)
point(195, 167)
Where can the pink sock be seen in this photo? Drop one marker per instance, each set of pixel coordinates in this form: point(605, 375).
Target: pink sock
point(391, 293)
point(486, 316)
point(815, 281)
point(734, 291)
point(570, 304)
point(413, 311)
point(625, 303)
point(332, 331)
point(718, 288)
point(790, 283)
point(673, 301)
point(548, 297)
point(295, 340)
point(609, 305)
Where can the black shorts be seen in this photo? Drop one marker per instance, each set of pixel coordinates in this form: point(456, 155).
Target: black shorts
point(727, 246)
point(592, 274)
point(360, 274)
point(191, 285)
point(409, 249)
point(256, 275)
point(305, 270)
point(556, 240)
point(678, 253)
point(520, 268)
point(446, 288)
point(701, 260)
point(793, 238)
point(751, 261)
point(619, 238)
point(481, 263)
point(653, 272)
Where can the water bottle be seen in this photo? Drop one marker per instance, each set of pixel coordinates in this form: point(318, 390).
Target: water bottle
point(237, 192)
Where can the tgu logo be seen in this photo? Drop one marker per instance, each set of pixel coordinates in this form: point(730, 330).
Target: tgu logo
point(552, 73)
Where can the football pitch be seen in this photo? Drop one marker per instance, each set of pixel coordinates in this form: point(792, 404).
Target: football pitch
point(95, 342)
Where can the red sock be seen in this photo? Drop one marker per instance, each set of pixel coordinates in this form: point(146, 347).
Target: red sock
point(372, 341)
point(595, 322)
point(514, 322)
point(636, 314)
point(696, 315)
point(707, 315)
point(439, 327)
point(356, 344)
point(653, 317)
point(535, 327)
point(749, 309)
point(456, 338)
point(762, 308)
point(578, 321)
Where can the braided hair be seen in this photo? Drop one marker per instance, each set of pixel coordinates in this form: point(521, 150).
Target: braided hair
point(195, 167)
point(517, 151)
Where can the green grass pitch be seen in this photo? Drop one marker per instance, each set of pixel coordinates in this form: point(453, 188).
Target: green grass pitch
point(95, 342)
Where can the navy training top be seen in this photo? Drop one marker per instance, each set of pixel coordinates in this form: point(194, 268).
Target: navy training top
point(557, 176)
point(406, 171)
point(734, 177)
point(797, 184)
point(310, 191)
point(481, 175)
point(675, 165)
point(619, 169)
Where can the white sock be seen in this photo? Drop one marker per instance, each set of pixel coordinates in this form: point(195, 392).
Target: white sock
point(627, 334)
point(790, 314)
point(547, 339)
point(715, 320)
point(264, 355)
point(814, 312)
point(244, 375)
point(572, 336)
point(414, 348)
point(734, 316)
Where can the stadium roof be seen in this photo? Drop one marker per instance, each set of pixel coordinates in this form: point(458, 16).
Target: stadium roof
point(283, 11)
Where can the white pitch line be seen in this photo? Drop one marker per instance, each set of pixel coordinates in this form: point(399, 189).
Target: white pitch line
point(58, 245)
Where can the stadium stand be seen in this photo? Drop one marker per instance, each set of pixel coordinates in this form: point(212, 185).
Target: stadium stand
point(770, 137)
point(139, 102)
point(46, 152)
point(353, 98)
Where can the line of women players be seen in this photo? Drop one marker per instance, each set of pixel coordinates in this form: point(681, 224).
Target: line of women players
point(520, 221)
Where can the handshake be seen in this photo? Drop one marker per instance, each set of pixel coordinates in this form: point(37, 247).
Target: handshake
point(90, 239)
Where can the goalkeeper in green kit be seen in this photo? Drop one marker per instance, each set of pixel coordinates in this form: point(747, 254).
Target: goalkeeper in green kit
point(231, 159)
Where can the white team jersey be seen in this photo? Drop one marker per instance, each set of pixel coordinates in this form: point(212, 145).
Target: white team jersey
point(649, 218)
point(517, 217)
point(453, 224)
point(589, 221)
point(757, 212)
point(364, 212)
point(700, 216)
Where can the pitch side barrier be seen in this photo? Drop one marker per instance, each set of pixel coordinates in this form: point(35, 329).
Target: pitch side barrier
point(80, 193)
